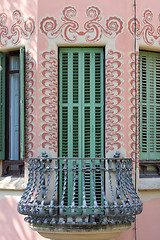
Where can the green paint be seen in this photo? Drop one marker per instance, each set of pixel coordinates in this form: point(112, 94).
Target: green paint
point(81, 113)
point(2, 106)
point(149, 105)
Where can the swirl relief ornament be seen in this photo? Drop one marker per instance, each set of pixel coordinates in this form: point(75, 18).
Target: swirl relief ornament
point(93, 30)
point(20, 29)
point(145, 29)
point(113, 101)
point(132, 125)
point(49, 100)
point(30, 67)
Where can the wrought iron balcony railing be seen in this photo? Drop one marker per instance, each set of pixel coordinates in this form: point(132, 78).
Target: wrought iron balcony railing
point(79, 191)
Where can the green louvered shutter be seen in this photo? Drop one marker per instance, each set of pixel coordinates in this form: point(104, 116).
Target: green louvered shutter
point(149, 106)
point(81, 102)
point(93, 116)
point(81, 112)
point(22, 79)
point(2, 106)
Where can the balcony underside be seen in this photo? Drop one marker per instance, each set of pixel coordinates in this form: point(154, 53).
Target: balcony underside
point(71, 232)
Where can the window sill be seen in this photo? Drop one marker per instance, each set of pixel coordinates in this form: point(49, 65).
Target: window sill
point(12, 183)
point(149, 184)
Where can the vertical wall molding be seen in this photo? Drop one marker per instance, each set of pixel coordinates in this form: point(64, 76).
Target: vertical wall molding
point(113, 99)
point(132, 106)
point(49, 100)
point(30, 67)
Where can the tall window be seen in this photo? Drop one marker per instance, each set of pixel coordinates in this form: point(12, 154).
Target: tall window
point(81, 102)
point(12, 105)
point(149, 106)
point(81, 116)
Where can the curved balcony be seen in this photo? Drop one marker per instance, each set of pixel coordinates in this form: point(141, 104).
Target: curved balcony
point(68, 198)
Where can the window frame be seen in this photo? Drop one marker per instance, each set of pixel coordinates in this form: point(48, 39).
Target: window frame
point(149, 167)
point(4, 76)
point(81, 112)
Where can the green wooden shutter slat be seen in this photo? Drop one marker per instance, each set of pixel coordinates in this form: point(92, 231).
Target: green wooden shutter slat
point(87, 132)
point(87, 77)
point(150, 105)
point(75, 132)
point(75, 77)
point(2, 106)
point(63, 108)
point(99, 106)
point(92, 104)
point(157, 101)
point(70, 104)
point(65, 78)
point(65, 131)
point(98, 74)
point(88, 185)
point(22, 79)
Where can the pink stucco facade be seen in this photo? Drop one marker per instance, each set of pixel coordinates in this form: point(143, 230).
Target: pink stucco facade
point(43, 26)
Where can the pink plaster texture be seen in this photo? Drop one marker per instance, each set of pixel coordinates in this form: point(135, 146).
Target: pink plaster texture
point(12, 224)
point(147, 223)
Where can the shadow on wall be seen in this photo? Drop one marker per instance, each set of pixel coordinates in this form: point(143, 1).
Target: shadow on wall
point(12, 224)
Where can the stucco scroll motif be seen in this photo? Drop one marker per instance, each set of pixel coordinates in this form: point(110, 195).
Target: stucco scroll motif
point(132, 125)
point(49, 99)
point(145, 29)
point(113, 101)
point(20, 29)
point(29, 103)
point(69, 30)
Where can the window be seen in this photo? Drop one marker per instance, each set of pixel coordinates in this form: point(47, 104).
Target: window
point(149, 110)
point(12, 107)
point(81, 112)
point(81, 102)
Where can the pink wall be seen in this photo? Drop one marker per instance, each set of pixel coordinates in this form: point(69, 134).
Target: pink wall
point(147, 223)
point(47, 29)
point(12, 225)
point(109, 31)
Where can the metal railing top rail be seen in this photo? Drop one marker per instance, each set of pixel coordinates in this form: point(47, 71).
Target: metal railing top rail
point(79, 158)
point(87, 192)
